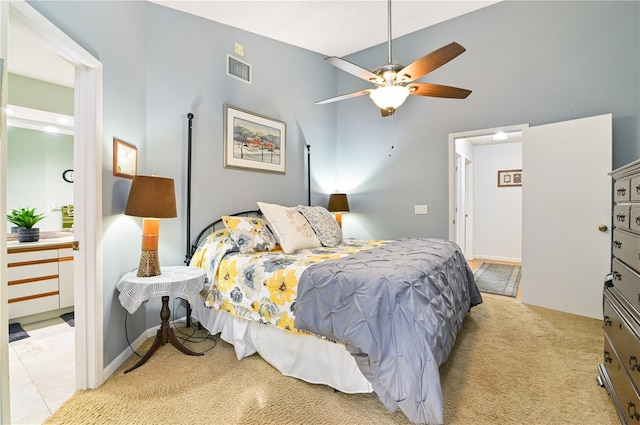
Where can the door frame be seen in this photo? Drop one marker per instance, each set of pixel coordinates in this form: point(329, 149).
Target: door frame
point(452, 179)
point(87, 192)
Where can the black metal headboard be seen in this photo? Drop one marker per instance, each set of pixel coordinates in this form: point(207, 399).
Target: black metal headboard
point(191, 248)
point(215, 226)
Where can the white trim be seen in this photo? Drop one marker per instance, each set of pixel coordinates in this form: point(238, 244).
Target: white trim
point(492, 258)
point(87, 195)
point(5, 396)
point(35, 119)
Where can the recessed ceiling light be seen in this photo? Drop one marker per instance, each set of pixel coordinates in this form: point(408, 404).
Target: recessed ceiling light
point(500, 136)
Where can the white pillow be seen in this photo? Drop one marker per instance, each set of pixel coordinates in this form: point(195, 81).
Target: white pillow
point(290, 227)
point(322, 222)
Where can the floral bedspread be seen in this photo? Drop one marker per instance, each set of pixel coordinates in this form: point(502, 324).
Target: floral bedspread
point(261, 286)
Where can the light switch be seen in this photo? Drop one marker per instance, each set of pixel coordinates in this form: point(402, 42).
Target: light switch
point(239, 48)
point(420, 209)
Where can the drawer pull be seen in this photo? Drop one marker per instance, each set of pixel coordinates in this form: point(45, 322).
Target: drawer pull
point(638, 221)
point(621, 191)
point(617, 244)
point(607, 321)
point(638, 189)
point(620, 217)
point(633, 363)
point(616, 275)
point(607, 357)
point(631, 409)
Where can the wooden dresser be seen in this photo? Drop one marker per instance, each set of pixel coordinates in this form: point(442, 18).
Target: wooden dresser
point(40, 277)
point(620, 367)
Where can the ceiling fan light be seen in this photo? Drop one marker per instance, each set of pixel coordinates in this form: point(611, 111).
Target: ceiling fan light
point(389, 97)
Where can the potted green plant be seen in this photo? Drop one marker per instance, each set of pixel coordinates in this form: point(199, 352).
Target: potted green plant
point(25, 219)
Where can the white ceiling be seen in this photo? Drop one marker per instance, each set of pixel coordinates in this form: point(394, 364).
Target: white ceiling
point(329, 27)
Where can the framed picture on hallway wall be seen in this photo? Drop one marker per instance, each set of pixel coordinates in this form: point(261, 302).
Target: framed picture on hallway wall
point(253, 142)
point(507, 178)
point(125, 159)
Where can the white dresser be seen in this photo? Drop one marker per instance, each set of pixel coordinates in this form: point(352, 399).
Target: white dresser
point(40, 277)
point(620, 367)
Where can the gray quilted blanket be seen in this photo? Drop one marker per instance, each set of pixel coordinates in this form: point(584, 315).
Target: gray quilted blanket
point(397, 309)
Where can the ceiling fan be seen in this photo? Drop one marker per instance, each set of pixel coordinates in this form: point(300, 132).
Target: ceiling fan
point(395, 82)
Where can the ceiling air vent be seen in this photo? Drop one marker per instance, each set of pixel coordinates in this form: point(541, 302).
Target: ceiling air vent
point(238, 69)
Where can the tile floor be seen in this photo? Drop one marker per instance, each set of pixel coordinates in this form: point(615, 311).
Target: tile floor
point(41, 371)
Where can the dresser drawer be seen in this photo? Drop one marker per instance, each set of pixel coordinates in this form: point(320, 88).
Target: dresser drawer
point(624, 340)
point(635, 188)
point(625, 393)
point(622, 190)
point(621, 214)
point(626, 247)
point(627, 282)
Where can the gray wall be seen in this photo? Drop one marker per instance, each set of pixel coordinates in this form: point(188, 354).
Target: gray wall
point(160, 64)
point(526, 62)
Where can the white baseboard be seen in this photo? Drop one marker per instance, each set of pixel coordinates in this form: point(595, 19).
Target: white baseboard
point(494, 258)
point(122, 357)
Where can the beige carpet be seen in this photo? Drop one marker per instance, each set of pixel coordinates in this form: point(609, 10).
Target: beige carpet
point(512, 364)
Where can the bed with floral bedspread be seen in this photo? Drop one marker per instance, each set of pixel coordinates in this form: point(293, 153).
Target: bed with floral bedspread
point(395, 306)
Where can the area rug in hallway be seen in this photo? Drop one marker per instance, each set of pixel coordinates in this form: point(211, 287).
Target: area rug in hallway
point(500, 279)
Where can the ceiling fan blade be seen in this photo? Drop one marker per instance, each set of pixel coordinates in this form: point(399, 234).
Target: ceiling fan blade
point(429, 62)
point(387, 112)
point(344, 96)
point(353, 69)
point(437, 90)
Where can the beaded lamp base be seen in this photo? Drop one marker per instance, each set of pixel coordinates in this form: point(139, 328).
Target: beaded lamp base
point(149, 264)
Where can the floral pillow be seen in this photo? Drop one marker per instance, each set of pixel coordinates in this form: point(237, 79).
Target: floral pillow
point(212, 243)
point(250, 233)
point(323, 223)
point(290, 227)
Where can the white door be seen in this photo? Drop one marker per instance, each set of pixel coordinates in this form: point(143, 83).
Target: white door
point(566, 195)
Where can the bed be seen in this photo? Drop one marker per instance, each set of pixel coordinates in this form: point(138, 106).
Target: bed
point(359, 316)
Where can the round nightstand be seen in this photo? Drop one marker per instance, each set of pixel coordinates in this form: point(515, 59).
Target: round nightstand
point(177, 281)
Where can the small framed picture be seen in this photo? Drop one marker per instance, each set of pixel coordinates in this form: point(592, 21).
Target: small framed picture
point(125, 159)
point(507, 178)
point(253, 142)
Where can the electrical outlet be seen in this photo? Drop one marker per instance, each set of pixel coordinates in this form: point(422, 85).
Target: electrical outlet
point(239, 49)
point(420, 209)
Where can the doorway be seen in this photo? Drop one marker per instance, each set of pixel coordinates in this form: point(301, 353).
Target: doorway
point(87, 197)
point(485, 218)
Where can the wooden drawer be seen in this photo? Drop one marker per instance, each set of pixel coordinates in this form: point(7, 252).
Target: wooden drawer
point(623, 392)
point(627, 282)
point(622, 190)
point(634, 218)
point(33, 271)
point(635, 188)
point(623, 338)
point(626, 247)
point(23, 255)
point(621, 214)
point(32, 289)
point(33, 306)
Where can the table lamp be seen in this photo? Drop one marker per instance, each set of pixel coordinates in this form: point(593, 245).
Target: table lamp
point(151, 198)
point(338, 203)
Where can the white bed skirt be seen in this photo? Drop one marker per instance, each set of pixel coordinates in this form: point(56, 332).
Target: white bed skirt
point(304, 357)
